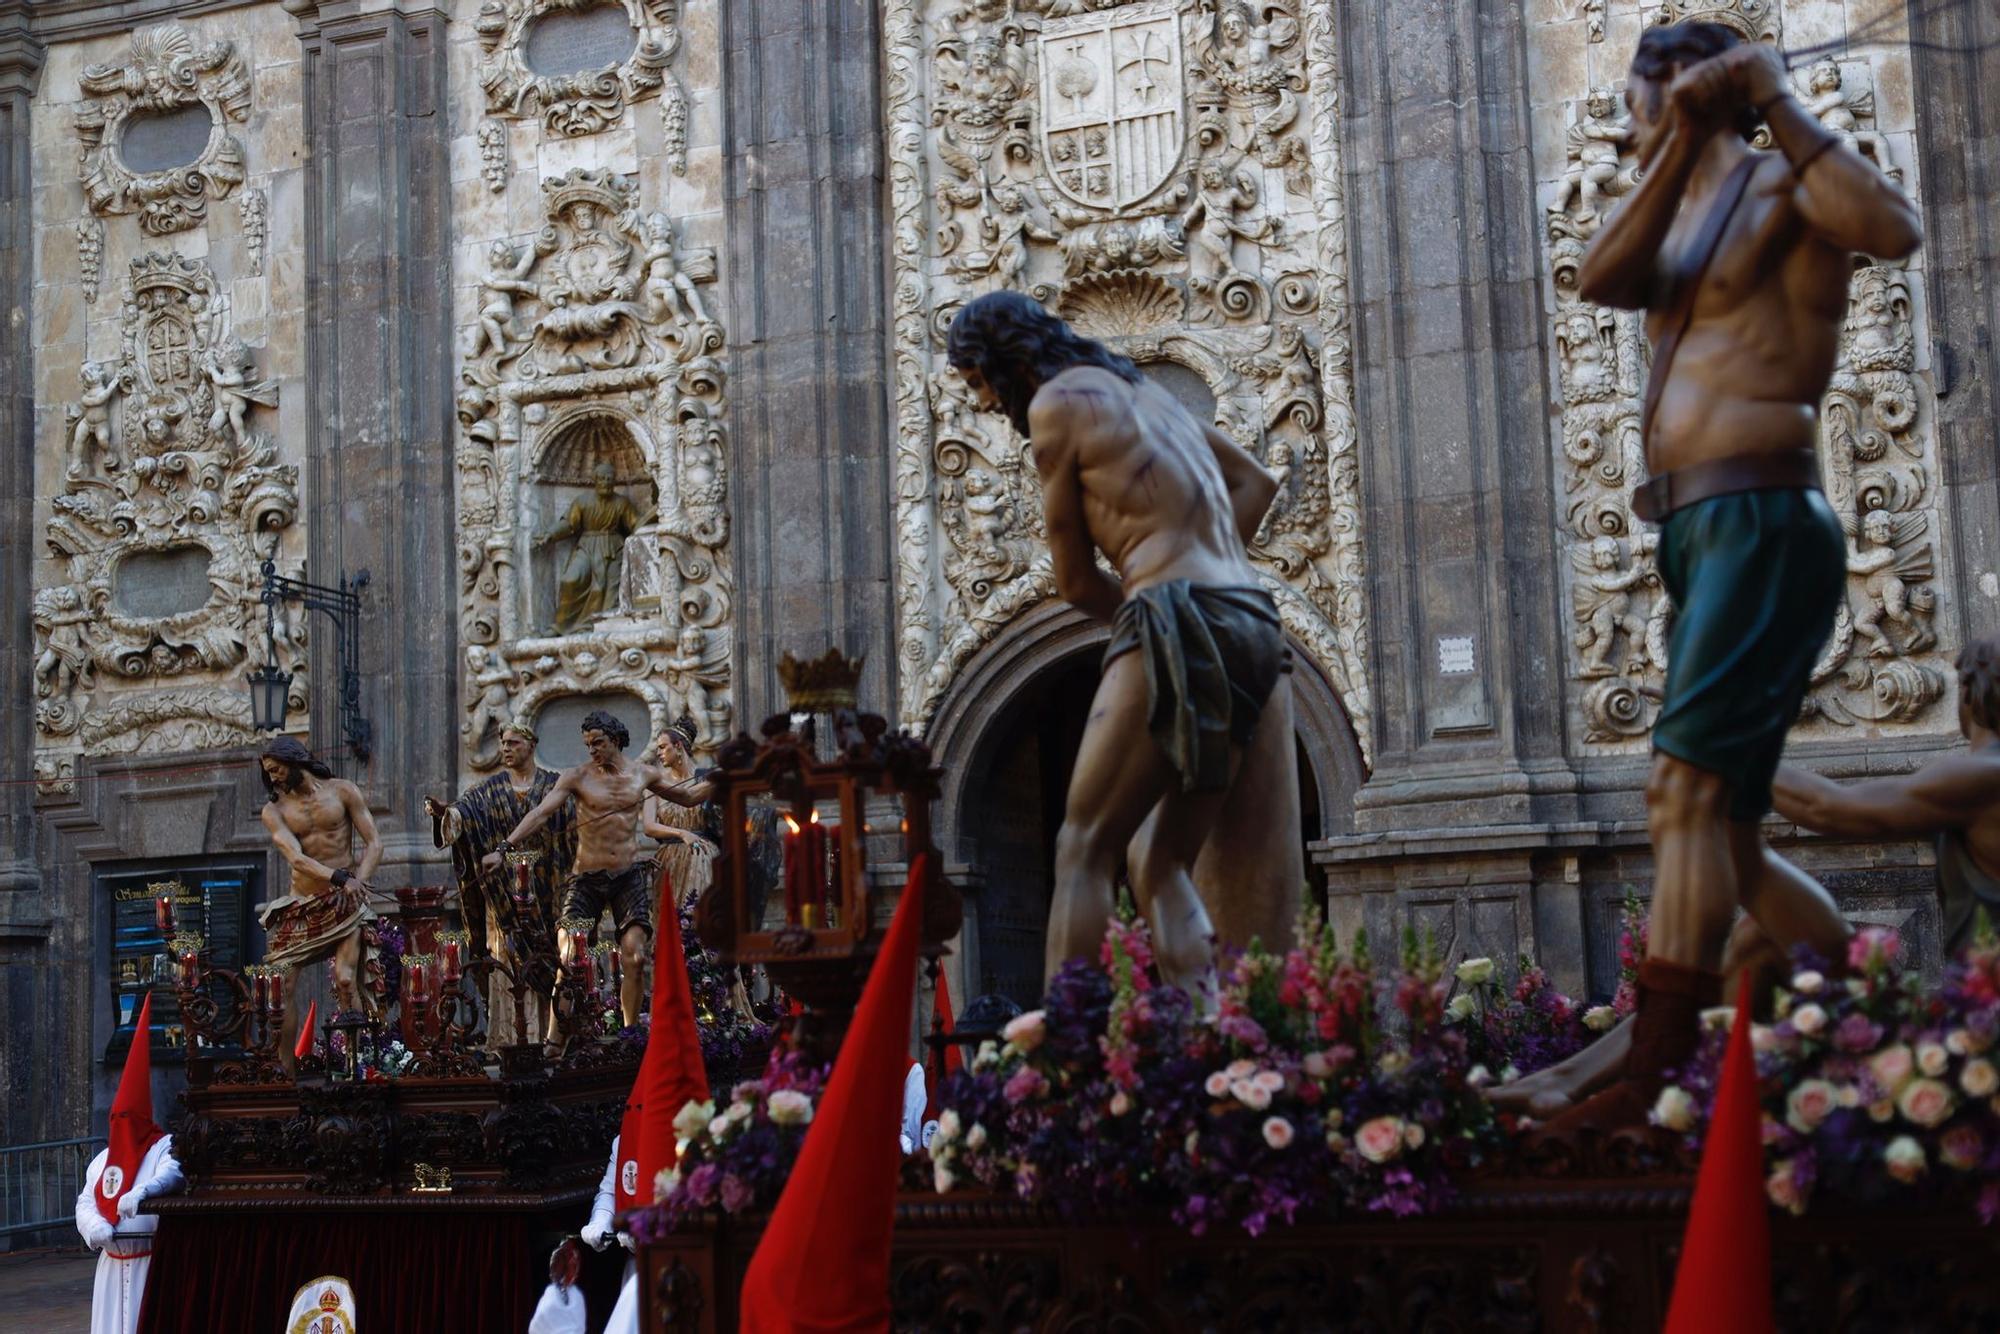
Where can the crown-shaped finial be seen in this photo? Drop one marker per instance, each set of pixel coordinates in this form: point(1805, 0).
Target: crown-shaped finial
point(1755, 20)
point(822, 685)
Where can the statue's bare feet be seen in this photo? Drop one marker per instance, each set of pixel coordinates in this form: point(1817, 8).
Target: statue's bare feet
point(1550, 1092)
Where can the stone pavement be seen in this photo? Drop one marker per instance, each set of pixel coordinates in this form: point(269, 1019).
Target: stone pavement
point(47, 1291)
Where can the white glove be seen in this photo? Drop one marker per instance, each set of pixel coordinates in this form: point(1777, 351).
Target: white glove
point(129, 1202)
point(596, 1235)
point(625, 1240)
point(99, 1233)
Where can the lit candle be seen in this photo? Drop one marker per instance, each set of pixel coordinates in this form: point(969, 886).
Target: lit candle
point(163, 914)
point(189, 949)
point(584, 973)
point(449, 941)
point(277, 991)
point(795, 872)
point(416, 980)
point(259, 987)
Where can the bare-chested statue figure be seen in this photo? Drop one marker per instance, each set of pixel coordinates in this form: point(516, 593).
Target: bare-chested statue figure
point(1741, 261)
point(610, 792)
point(314, 820)
point(1194, 704)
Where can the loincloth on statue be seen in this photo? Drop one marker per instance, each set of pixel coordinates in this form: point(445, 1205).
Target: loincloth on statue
point(1756, 578)
point(300, 929)
point(1212, 658)
point(628, 893)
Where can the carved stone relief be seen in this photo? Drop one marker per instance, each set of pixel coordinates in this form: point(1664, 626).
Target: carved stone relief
point(592, 467)
point(576, 80)
point(168, 501)
point(90, 255)
point(163, 89)
point(253, 214)
point(1165, 175)
point(1881, 665)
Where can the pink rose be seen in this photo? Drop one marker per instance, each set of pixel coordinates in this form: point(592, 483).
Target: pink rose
point(1809, 1104)
point(1809, 1020)
point(1241, 1069)
point(1962, 1148)
point(1904, 1158)
point(1381, 1139)
point(1218, 1084)
point(1892, 1068)
point(1924, 1102)
point(1026, 1031)
point(1278, 1132)
point(1024, 1084)
point(1782, 1187)
point(1316, 1066)
point(1269, 1080)
point(1808, 982)
point(1120, 1103)
point(1413, 1137)
point(1251, 1094)
point(1932, 1058)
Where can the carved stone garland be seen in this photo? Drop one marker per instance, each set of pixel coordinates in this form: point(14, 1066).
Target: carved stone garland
point(1877, 461)
point(1137, 166)
point(592, 345)
point(586, 100)
point(165, 72)
point(160, 457)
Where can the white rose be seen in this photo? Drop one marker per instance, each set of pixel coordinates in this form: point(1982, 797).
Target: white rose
point(942, 1176)
point(1478, 1077)
point(1278, 1132)
point(789, 1107)
point(1251, 1094)
point(1904, 1158)
point(1413, 1136)
point(1979, 1079)
point(1240, 1069)
point(1472, 972)
point(975, 1138)
point(1381, 1139)
point(1718, 1018)
point(988, 1055)
point(1461, 1007)
point(1218, 1084)
point(1674, 1109)
point(692, 1116)
point(1925, 1102)
point(948, 1125)
point(1269, 1080)
point(739, 1111)
point(1810, 1103)
point(1316, 1065)
point(1392, 1062)
point(1600, 1018)
point(1808, 982)
point(1783, 1189)
point(1809, 1020)
point(719, 1127)
point(1120, 1103)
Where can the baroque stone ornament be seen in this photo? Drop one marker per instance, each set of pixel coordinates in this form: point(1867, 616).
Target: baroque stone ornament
point(1165, 174)
point(590, 362)
point(90, 255)
point(581, 81)
point(1877, 456)
point(165, 83)
point(1755, 20)
point(170, 500)
point(253, 213)
point(493, 164)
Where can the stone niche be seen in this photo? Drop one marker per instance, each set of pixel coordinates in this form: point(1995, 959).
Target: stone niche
point(559, 724)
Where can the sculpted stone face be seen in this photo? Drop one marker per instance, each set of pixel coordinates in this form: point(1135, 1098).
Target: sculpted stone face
point(515, 750)
point(602, 749)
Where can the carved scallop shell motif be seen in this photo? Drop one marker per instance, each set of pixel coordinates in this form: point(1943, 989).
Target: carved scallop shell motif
point(1126, 303)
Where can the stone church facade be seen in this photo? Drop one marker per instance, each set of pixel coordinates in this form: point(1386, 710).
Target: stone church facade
point(607, 336)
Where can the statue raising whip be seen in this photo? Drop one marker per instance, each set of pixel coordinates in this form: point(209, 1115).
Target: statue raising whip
point(1740, 260)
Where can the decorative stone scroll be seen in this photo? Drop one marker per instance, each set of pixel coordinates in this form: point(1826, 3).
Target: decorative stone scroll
point(1165, 175)
point(1878, 457)
point(592, 470)
point(163, 91)
point(556, 60)
point(170, 499)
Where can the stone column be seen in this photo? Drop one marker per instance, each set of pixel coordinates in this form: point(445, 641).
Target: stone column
point(807, 312)
point(1450, 381)
point(378, 357)
point(1955, 75)
point(20, 69)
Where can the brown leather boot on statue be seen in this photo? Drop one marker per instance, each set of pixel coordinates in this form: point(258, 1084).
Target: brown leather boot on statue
point(1665, 1031)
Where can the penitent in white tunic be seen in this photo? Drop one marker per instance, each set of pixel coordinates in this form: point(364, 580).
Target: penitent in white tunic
point(121, 1268)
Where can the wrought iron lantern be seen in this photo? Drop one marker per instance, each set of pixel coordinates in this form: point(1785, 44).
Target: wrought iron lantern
point(829, 800)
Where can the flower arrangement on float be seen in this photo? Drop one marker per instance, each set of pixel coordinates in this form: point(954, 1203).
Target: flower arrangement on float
point(1873, 1088)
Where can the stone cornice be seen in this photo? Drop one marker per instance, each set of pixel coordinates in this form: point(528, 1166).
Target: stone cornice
point(21, 51)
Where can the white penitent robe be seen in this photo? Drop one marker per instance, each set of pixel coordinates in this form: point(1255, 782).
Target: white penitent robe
point(127, 1250)
point(915, 1097)
point(625, 1315)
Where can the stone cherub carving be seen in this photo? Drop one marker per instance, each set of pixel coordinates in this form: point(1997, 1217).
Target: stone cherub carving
point(1595, 144)
point(1888, 573)
point(506, 274)
point(687, 665)
point(1603, 596)
point(90, 418)
point(64, 663)
point(1220, 195)
point(229, 367)
point(488, 681)
point(978, 90)
point(1841, 110)
point(1244, 47)
point(668, 291)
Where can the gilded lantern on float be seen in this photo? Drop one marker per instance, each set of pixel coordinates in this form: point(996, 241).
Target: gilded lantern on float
point(829, 799)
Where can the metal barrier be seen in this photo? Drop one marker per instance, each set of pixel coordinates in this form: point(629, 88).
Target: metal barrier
point(39, 1184)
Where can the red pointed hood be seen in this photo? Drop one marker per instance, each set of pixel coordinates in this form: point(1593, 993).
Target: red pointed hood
point(1723, 1285)
point(808, 1276)
point(954, 1058)
point(670, 1076)
point(305, 1043)
point(132, 1128)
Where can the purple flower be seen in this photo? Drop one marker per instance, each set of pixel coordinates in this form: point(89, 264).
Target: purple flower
point(1856, 1032)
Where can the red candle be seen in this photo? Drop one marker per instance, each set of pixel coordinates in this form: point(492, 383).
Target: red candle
point(452, 971)
point(416, 980)
point(163, 914)
point(277, 991)
point(259, 989)
point(584, 972)
point(795, 872)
